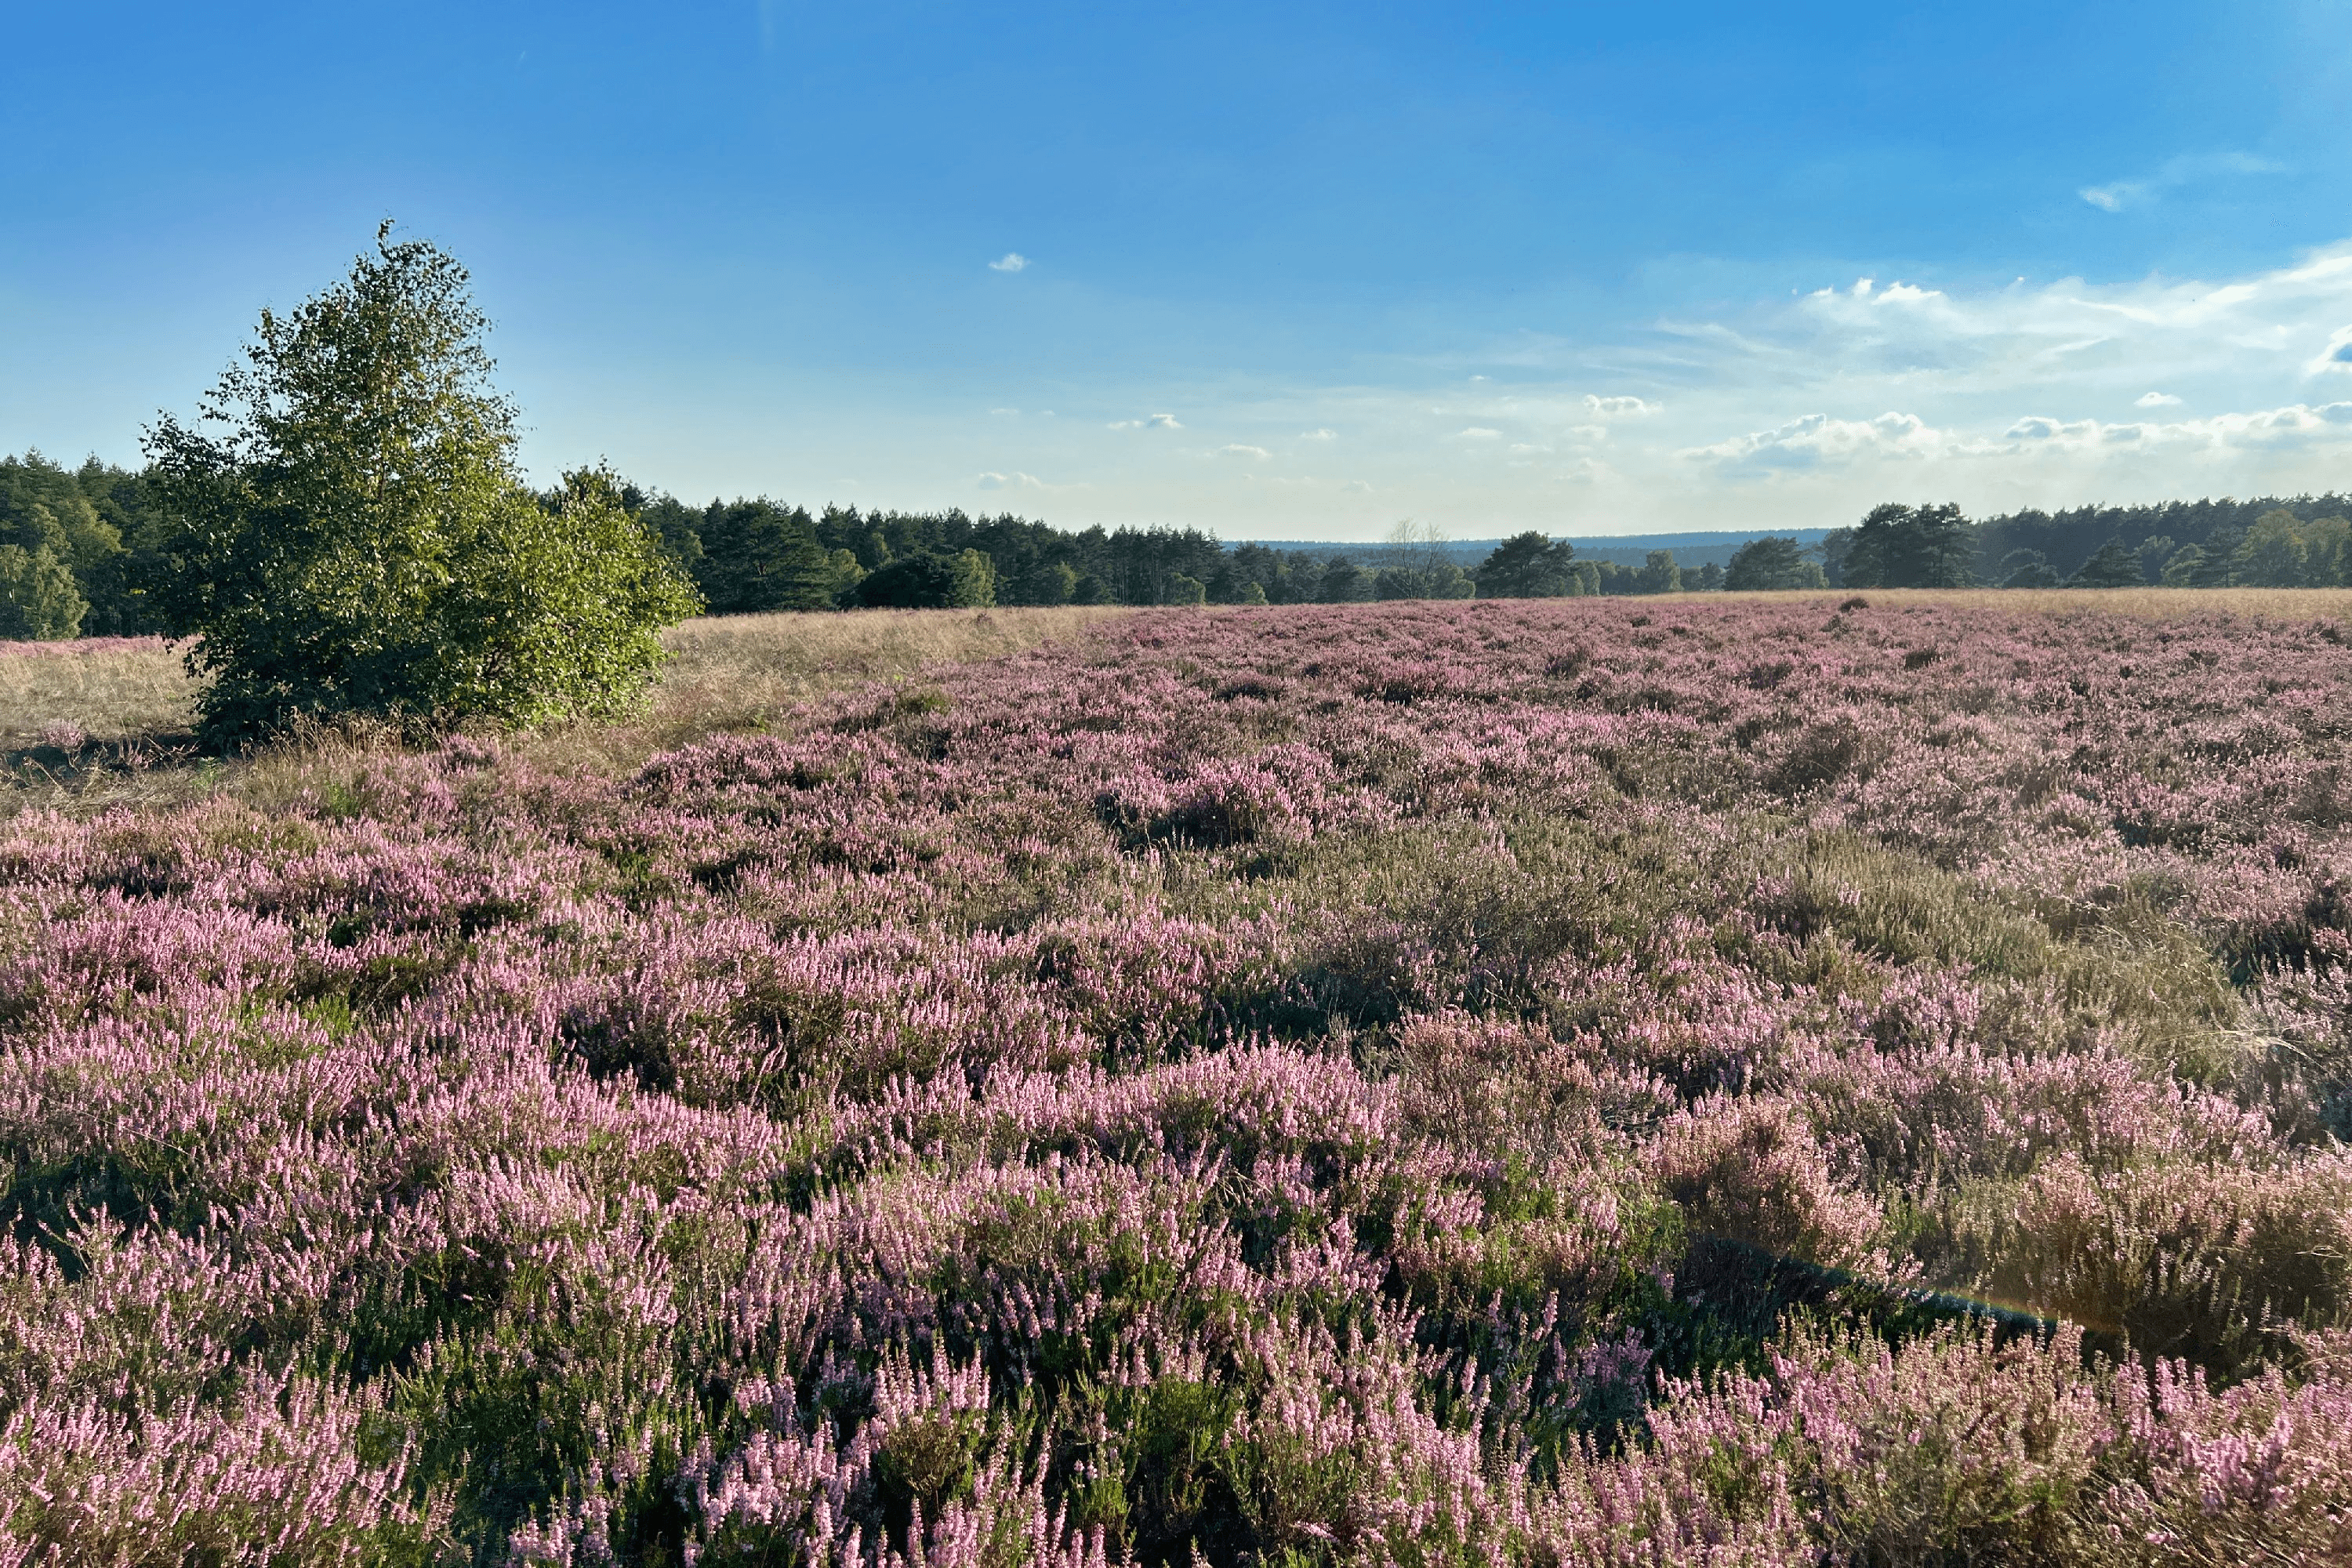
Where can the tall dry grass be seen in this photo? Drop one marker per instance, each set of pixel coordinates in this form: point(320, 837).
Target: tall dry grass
point(101, 722)
point(107, 689)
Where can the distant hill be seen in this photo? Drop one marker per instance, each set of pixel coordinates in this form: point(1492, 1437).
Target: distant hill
point(1625, 549)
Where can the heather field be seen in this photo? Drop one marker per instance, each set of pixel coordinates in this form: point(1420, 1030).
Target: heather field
point(1594, 1082)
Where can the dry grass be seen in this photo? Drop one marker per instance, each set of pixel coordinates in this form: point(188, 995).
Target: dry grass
point(747, 665)
point(84, 726)
point(731, 673)
point(109, 688)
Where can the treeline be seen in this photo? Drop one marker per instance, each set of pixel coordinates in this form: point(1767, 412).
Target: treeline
point(78, 548)
point(2302, 543)
point(753, 555)
point(2243, 542)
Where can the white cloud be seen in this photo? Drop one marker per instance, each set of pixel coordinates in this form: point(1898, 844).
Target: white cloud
point(1236, 449)
point(1479, 433)
point(2262, 429)
point(1319, 435)
point(1356, 487)
point(1816, 439)
point(1149, 422)
point(1618, 407)
point(2337, 356)
point(2112, 198)
point(1011, 261)
point(2156, 400)
point(1015, 480)
point(1012, 411)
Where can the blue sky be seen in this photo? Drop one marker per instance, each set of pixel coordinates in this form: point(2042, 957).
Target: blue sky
point(1283, 272)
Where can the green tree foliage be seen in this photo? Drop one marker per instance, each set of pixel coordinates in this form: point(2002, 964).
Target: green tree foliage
point(2188, 568)
point(38, 600)
point(2328, 545)
point(1899, 546)
point(1530, 566)
point(1413, 563)
point(2028, 569)
point(95, 521)
point(930, 580)
point(1443, 580)
point(2216, 563)
point(1659, 575)
point(2272, 555)
point(2113, 567)
point(2215, 526)
point(1046, 583)
point(750, 557)
point(358, 538)
point(1771, 565)
point(1344, 583)
point(2282, 550)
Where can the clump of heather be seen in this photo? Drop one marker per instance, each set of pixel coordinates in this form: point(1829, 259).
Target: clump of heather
point(1503, 1081)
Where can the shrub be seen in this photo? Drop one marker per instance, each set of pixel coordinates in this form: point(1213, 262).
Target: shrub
point(360, 540)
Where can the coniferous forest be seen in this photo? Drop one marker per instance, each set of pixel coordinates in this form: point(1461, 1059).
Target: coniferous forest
point(80, 548)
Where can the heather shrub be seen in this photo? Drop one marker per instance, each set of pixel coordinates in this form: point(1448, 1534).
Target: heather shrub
point(1751, 1170)
point(2209, 1262)
point(1956, 1449)
point(2257, 1473)
point(1348, 1085)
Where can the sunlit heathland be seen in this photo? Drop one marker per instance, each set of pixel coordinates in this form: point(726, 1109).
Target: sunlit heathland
point(1563, 1082)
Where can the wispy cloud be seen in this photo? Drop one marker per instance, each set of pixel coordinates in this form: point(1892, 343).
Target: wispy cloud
point(1801, 411)
point(2336, 357)
point(2197, 169)
point(1011, 261)
point(1015, 480)
point(2259, 429)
